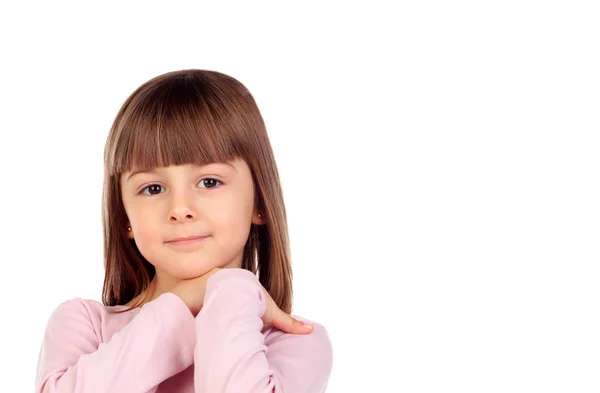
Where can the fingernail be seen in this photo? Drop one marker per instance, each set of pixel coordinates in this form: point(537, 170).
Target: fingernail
point(307, 325)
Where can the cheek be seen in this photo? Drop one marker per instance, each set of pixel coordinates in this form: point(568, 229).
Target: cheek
point(146, 234)
point(147, 239)
point(146, 228)
point(232, 223)
point(230, 215)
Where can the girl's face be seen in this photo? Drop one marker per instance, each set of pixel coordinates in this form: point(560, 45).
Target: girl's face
point(216, 200)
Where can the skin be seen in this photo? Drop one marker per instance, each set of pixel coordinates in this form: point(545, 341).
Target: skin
point(216, 200)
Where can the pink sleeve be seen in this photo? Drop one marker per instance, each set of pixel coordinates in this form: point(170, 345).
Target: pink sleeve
point(153, 346)
point(232, 354)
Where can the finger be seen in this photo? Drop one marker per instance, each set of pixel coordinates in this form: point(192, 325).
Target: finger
point(289, 324)
point(281, 320)
point(268, 315)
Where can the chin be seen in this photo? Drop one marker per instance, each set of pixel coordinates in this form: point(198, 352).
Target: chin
point(189, 272)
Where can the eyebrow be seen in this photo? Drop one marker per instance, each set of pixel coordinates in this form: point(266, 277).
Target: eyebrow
point(141, 171)
point(155, 171)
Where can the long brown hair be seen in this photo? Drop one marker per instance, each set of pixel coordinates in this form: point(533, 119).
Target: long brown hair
point(200, 117)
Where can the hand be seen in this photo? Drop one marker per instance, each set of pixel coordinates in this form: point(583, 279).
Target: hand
point(192, 293)
point(276, 317)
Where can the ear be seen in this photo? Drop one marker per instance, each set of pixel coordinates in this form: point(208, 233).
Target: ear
point(129, 231)
point(258, 218)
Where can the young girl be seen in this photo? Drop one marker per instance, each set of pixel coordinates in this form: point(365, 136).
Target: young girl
point(192, 212)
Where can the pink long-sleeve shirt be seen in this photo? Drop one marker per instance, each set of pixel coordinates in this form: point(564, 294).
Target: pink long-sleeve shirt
point(160, 347)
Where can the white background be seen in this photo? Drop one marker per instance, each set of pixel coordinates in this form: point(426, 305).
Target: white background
point(439, 162)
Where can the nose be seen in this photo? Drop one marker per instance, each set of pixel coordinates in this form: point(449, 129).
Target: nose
point(182, 208)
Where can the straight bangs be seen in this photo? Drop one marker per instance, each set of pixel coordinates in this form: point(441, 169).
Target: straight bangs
point(177, 122)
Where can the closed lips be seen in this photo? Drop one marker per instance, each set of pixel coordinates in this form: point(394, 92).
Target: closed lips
point(177, 239)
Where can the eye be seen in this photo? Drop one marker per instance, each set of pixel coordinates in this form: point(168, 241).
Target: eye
point(211, 181)
point(153, 187)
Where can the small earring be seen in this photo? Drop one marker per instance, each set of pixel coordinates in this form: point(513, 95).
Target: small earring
point(259, 215)
point(128, 229)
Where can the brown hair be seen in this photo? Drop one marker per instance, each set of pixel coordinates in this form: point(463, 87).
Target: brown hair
point(201, 117)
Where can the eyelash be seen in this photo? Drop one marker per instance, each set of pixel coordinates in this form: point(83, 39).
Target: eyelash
point(205, 178)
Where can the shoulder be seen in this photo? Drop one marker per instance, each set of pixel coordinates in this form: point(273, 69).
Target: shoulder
point(72, 308)
point(79, 307)
point(303, 359)
point(72, 329)
point(74, 314)
point(83, 315)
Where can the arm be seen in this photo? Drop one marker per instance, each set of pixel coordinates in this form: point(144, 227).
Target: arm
point(152, 347)
point(231, 353)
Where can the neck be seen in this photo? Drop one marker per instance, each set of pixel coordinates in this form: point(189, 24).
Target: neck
point(162, 283)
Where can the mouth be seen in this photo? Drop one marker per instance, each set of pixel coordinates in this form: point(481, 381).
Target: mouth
point(182, 241)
